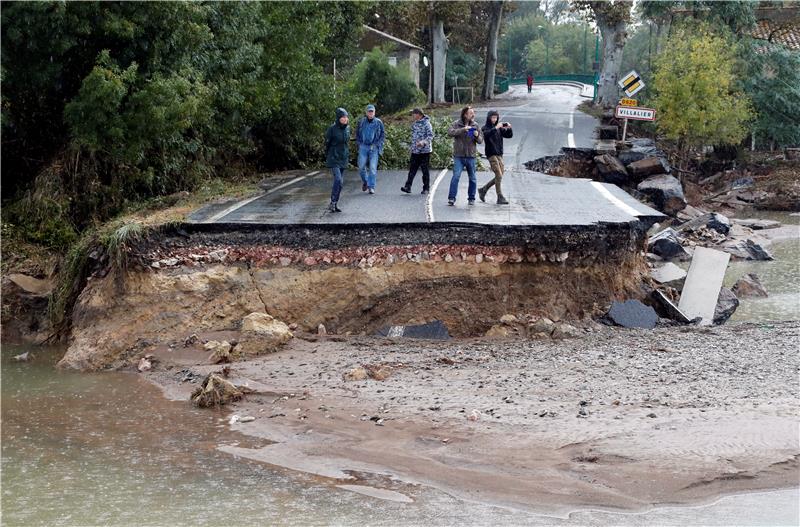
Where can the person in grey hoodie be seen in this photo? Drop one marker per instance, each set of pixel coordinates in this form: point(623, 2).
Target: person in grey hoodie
point(421, 148)
point(466, 135)
point(337, 154)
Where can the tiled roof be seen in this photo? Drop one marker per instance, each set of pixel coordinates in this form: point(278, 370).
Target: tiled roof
point(786, 34)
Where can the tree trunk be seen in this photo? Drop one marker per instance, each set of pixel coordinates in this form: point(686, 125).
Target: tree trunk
point(491, 50)
point(439, 59)
point(614, 37)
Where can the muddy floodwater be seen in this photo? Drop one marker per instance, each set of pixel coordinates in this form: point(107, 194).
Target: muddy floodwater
point(109, 449)
point(781, 278)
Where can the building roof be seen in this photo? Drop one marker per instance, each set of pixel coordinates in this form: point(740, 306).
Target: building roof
point(392, 38)
point(787, 35)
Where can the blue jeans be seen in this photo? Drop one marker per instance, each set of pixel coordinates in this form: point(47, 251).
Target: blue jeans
point(338, 183)
point(367, 153)
point(459, 163)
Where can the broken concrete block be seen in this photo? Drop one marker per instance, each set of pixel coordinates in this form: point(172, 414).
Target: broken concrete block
point(669, 308)
point(541, 326)
point(432, 330)
point(633, 314)
point(667, 244)
point(608, 132)
point(711, 220)
point(669, 274)
point(611, 170)
point(726, 305)
point(649, 166)
point(749, 285)
point(665, 191)
point(702, 285)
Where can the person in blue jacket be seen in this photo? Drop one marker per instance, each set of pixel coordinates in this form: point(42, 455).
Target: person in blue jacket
point(337, 154)
point(369, 137)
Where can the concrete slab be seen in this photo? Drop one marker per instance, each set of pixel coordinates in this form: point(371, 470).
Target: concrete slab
point(432, 330)
point(702, 285)
point(668, 274)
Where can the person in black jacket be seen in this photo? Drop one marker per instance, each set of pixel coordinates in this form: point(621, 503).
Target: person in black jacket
point(493, 133)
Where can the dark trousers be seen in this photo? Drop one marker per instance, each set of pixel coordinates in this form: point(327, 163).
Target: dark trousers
point(419, 161)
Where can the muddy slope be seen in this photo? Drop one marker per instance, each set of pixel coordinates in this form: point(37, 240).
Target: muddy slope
point(204, 282)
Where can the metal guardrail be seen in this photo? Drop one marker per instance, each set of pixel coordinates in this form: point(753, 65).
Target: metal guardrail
point(500, 84)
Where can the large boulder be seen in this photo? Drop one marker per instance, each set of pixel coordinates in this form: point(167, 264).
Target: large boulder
point(726, 305)
point(648, 166)
point(627, 157)
point(215, 391)
point(611, 170)
point(667, 244)
point(749, 285)
point(261, 333)
point(665, 191)
point(746, 250)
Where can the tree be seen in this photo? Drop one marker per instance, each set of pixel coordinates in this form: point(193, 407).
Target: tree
point(695, 95)
point(771, 79)
point(612, 19)
point(496, 11)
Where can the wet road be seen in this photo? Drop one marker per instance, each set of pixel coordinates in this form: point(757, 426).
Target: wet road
point(544, 122)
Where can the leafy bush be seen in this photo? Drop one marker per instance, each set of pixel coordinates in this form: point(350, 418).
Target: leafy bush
point(392, 85)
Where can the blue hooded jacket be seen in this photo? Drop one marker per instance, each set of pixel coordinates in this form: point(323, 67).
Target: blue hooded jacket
point(370, 133)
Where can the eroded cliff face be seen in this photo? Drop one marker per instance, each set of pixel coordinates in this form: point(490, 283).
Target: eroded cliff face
point(186, 288)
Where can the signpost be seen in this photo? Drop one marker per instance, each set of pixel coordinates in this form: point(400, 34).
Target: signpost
point(633, 112)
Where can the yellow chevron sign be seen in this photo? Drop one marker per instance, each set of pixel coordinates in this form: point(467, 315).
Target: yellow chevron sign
point(631, 83)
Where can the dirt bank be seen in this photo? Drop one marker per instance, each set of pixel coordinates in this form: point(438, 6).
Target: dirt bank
point(613, 420)
point(185, 290)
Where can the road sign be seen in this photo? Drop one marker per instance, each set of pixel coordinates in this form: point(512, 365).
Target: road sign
point(636, 113)
point(631, 83)
point(628, 102)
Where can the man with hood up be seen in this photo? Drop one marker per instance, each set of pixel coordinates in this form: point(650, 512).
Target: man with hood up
point(493, 133)
point(337, 154)
point(421, 148)
point(369, 138)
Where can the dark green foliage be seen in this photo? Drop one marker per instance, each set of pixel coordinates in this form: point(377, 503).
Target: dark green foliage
point(392, 85)
point(108, 103)
point(771, 78)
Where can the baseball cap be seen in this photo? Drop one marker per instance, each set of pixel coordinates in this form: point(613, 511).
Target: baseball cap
point(371, 107)
point(418, 111)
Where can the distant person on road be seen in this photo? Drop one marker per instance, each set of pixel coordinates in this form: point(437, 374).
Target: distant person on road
point(466, 135)
point(421, 148)
point(493, 133)
point(337, 154)
point(529, 81)
point(369, 138)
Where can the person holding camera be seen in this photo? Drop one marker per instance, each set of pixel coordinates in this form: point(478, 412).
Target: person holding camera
point(466, 135)
point(493, 132)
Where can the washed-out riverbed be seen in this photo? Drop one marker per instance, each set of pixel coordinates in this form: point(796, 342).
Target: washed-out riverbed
point(108, 448)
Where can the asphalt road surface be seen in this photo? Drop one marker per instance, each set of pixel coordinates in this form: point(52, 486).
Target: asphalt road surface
point(543, 122)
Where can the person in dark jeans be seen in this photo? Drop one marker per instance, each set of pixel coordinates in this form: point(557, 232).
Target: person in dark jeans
point(421, 148)
point(337, 154)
